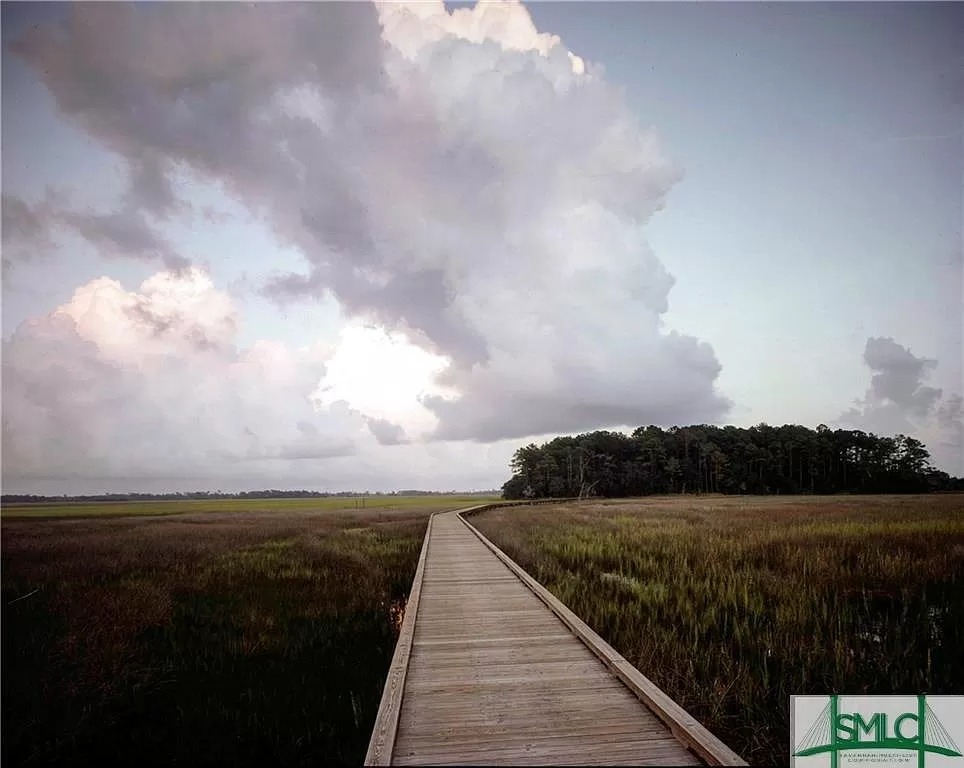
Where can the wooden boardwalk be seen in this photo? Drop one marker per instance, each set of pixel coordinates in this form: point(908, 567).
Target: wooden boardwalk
point(492, 669)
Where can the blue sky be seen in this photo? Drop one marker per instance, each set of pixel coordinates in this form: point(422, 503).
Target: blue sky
point(821, 204)
point(808, 196)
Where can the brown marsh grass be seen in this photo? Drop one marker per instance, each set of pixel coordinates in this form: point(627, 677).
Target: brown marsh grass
point(202, 639)
point(732, 604)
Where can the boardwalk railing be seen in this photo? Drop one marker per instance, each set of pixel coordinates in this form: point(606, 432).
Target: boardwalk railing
point(386, 723)
point(683, 726)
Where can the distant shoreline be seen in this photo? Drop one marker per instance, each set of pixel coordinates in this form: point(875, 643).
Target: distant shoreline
point(16, 498)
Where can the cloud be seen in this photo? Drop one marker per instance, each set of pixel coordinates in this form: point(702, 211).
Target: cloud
point(124, 233)
point(897, 396)
point(951, 411)
point(898, 377)
point(899, 401)
point(150, 187)
point(27, 230)
point(23, 221)
point(148, 389)
point(411, 26)
point(382, 376)
point(386, 432)
point(121, 384)
point(460, 178)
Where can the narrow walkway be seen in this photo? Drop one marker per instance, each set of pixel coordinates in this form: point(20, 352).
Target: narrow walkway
point(494, 676)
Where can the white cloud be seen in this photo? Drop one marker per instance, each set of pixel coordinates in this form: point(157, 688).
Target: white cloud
point(383, 376)
point(117, 383)
point(410, 26)
point(148, 390)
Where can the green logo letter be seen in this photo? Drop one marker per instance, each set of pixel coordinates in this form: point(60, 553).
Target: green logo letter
point(899, 721)
point(845, 725)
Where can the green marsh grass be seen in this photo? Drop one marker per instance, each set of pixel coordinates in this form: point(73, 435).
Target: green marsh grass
point(187, 506)
point(202, 639)
point(732, 604)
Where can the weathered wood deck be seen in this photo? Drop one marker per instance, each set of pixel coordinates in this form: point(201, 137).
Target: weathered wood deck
point(491, 669)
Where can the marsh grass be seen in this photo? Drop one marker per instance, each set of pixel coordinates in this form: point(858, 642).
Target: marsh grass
point(187, 506)
point(201, 639)
point(732, 604)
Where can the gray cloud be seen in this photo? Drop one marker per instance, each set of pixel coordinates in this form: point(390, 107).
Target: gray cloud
point(898, 377)
point(177, 324)
point(951, 412)
point(23, 221)
point(312, 443)
point(124, 233)
point(898, 397)
point(899, 401)
point(386, 432)
point(150, 187)
point(27, 230)
point(327, 450)
point(667, 386)
point(950, 420)
point(484, 198)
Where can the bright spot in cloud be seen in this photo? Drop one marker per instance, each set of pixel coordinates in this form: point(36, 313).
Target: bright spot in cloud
point(383, 375)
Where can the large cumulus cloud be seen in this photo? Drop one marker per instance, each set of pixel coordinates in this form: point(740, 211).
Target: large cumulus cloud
point(117, 384)
point(458, 177)
point(149, 390)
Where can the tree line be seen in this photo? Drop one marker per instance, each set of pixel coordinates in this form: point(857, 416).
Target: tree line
point(731, 460)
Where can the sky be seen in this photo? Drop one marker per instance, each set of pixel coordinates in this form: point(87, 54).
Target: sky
point(378, 246)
